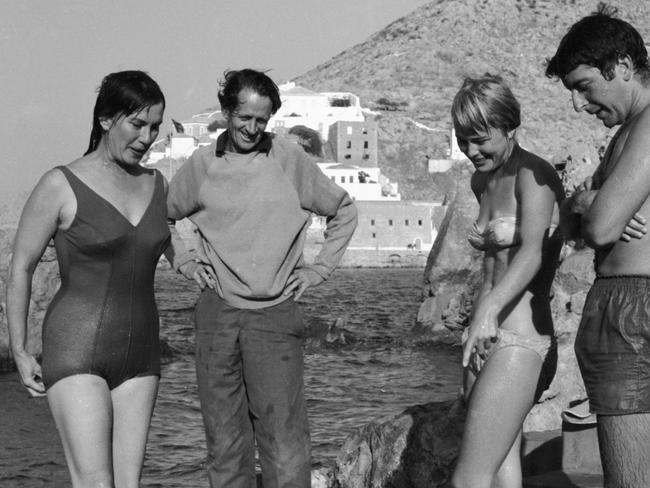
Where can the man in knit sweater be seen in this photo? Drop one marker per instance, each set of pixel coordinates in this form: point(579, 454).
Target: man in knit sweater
point(251, 195)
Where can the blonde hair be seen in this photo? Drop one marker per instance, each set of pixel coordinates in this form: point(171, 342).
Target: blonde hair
point(485, 102)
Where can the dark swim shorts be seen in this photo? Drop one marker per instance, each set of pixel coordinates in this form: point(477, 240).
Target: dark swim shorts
point(613, 345)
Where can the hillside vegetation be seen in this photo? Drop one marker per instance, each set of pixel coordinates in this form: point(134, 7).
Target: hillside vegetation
point(409, 72)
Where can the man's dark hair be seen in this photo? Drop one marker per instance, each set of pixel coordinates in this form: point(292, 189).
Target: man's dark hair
point(599, 40)
point(247, 79)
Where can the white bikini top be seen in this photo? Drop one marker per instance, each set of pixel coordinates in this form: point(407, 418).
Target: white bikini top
point(499, 233)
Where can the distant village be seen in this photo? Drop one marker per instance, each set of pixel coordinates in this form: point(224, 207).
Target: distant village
point(342, 136)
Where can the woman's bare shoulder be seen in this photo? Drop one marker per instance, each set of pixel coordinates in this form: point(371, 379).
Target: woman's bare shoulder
point(536, 170)
point(53, 180)
point(53, 187)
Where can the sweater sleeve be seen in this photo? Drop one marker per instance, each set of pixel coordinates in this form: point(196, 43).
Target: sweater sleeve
point(320, 195)
point(183, 194)
point(183, 201)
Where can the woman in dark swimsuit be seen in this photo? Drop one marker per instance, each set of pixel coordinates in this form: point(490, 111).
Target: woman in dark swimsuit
point(511, 329)
point(107, 216)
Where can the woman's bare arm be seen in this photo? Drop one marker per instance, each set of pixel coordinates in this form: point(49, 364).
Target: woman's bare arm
point(38, 223)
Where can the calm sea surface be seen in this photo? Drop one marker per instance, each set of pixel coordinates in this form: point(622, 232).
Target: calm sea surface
point(369, 368)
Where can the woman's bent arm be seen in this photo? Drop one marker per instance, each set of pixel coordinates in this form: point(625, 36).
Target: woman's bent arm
point(38, 223)
point(537, 202)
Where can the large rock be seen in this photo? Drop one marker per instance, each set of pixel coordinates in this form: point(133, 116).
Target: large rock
point(572, 282)
point(44, 285)
point(320, 478)
point(452, 272)
point(451, 252)
point(416, 449)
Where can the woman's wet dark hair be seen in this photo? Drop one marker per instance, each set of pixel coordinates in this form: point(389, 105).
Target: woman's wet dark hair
point(123, 93)
point(256, 81)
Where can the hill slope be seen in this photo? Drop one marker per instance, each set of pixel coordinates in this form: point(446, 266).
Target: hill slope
point(410, 71)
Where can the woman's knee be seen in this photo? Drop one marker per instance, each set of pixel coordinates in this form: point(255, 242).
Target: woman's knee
point(91, 479)
point(508, 476)
point(463, 479)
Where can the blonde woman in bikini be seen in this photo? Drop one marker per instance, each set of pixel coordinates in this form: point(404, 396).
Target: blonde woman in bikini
point(510, 333)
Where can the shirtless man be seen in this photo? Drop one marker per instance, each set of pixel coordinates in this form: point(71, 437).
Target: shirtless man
point(602, 61)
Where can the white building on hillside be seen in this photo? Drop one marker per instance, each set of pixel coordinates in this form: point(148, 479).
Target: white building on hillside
point(453, 154)
point(361, 183)
point(198, 124)
point(317, 111)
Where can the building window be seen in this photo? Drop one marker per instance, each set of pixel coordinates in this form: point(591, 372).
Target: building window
point(348, 156)
point(365, 144)
point(406, 222)
point(342, 179)
point(372, 221)
point(390, 221)
point(351, 179)
point(374, 235)
point(366, 156)
point(420, 223)
point(364, 130)
point(349, 145)
point(349, 130)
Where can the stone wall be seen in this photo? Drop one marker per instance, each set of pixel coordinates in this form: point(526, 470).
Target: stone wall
point(373, 258)
point(353, 258)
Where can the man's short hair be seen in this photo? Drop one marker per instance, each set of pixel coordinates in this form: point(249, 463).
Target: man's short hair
point(599, 40)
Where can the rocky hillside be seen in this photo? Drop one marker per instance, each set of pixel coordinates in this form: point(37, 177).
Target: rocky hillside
point(410, 71)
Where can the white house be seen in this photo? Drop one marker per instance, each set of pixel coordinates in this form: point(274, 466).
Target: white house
point(198, 124)
point(361, 183)
point(317, 111)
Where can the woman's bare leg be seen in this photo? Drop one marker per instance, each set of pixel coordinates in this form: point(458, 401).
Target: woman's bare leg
point(133, 403)
point(82, 410)
point(499, 401)
point(509, 474)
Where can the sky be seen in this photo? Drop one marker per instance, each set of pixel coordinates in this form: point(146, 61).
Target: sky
point(54, 53)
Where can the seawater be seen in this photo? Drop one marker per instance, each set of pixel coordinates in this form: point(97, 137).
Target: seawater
point(372, 369)
point(369, 368)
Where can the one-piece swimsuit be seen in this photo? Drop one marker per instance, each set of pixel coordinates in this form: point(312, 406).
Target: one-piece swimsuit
point(103, 320)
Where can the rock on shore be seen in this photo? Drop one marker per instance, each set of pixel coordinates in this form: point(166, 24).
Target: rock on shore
point(44, 286)
point(415, 449)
